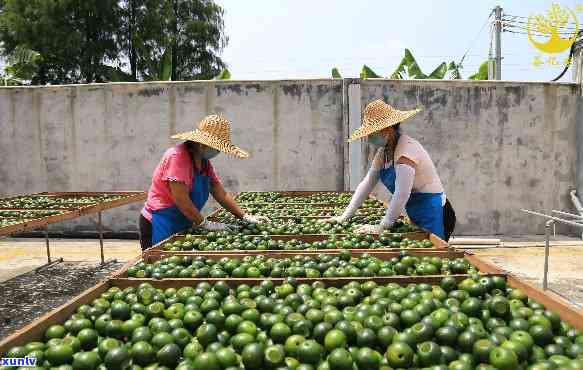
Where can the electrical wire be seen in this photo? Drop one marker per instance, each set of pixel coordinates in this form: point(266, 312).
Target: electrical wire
point(476, 38)
point(571, 52)
point(533, 32)
point(566, 28)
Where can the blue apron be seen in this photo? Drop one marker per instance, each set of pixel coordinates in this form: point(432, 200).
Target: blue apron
point(424, 209)
point(169, 221)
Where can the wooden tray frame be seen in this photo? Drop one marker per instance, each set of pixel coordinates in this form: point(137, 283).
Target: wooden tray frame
point(69, 213)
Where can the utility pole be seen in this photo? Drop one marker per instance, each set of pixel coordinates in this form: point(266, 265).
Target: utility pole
point(498, 41)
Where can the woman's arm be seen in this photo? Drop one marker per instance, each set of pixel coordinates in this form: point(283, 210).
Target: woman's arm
point(362, 192)
point(226, 200)
point(405, 176)
point(181, 197)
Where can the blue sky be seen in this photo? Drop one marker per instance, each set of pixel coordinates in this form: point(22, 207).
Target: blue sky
point(280, 39)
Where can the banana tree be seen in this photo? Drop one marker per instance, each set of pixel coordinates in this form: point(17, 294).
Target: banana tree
point(410, 68)
point(224, 75)
point(23, 64)
point(482, 73)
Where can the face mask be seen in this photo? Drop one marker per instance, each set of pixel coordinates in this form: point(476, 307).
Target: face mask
point(377, 140)
point(210, 153)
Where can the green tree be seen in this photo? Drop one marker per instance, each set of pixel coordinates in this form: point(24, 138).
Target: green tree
point(76, 38)
point(100, 40)
point(195, 32)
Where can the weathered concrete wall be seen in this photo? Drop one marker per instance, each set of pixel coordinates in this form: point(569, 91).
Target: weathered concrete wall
point(110, 137)
point(498, 146)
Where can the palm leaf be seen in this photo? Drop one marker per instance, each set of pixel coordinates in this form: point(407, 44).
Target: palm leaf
point(366, 72)
point(482, 73)
point(224, 75)
point(408, 67)
point(165, 73)
point(336, 73)
point(439, 72)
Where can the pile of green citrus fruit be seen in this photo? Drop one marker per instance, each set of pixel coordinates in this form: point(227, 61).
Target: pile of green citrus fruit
point(54, 202)
point(301, 227)
point(11, 217)
point(225, 241)
point(476, 324)
point(274, 197)
point(343, 264)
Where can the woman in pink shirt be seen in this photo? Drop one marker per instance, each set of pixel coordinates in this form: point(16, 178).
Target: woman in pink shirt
point(183, 180)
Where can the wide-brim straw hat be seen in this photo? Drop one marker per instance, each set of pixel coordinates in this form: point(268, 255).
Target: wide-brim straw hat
point(379, 115)
point(214, 131)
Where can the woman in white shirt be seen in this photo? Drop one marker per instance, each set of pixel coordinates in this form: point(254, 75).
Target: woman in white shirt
point(406, 169)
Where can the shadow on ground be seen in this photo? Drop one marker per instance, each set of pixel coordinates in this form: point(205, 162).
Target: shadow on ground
point(28, 296)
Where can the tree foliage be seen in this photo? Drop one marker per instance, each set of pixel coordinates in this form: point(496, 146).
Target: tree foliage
point(115, 40)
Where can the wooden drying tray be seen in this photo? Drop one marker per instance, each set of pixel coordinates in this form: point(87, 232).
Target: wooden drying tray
point(86, 208)
point(382, 254)
point(310, 238)
point(70, 213)
point(38, 223)
point(36, 329)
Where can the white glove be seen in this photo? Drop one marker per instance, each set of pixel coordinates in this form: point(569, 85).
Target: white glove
point(369, 229)
point(215, 226)
point(338, 219)
point(256, 219)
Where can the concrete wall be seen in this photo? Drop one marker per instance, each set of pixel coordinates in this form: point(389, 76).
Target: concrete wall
point(111, 137)
point(498, 146)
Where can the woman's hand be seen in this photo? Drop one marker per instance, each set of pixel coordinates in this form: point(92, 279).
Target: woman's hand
point(369, 229)
point(216, 226)
point(335, 219)
point(256, 219)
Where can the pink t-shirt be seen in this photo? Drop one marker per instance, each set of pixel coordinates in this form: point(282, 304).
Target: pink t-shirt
point(175, 165)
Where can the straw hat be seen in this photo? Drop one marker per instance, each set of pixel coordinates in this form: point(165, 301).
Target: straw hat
point(379, 115)
point(214, 131)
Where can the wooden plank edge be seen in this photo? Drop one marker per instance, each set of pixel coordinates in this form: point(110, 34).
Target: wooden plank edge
point(36, 329)
point(552, 301)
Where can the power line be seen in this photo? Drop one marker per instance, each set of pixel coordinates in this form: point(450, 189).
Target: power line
point(534, 32)
point(476, 38)
point(523, 22)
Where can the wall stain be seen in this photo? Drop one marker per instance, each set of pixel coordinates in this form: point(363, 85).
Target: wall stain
point(275, 133)
point(294, 90)
point(508, 181)
point(235, 88)
point(517, 93)
point(172, 113)
point(75, 160)
point(149, 92)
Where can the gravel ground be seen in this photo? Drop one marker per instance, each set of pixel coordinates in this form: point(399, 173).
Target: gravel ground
point(30, 295)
